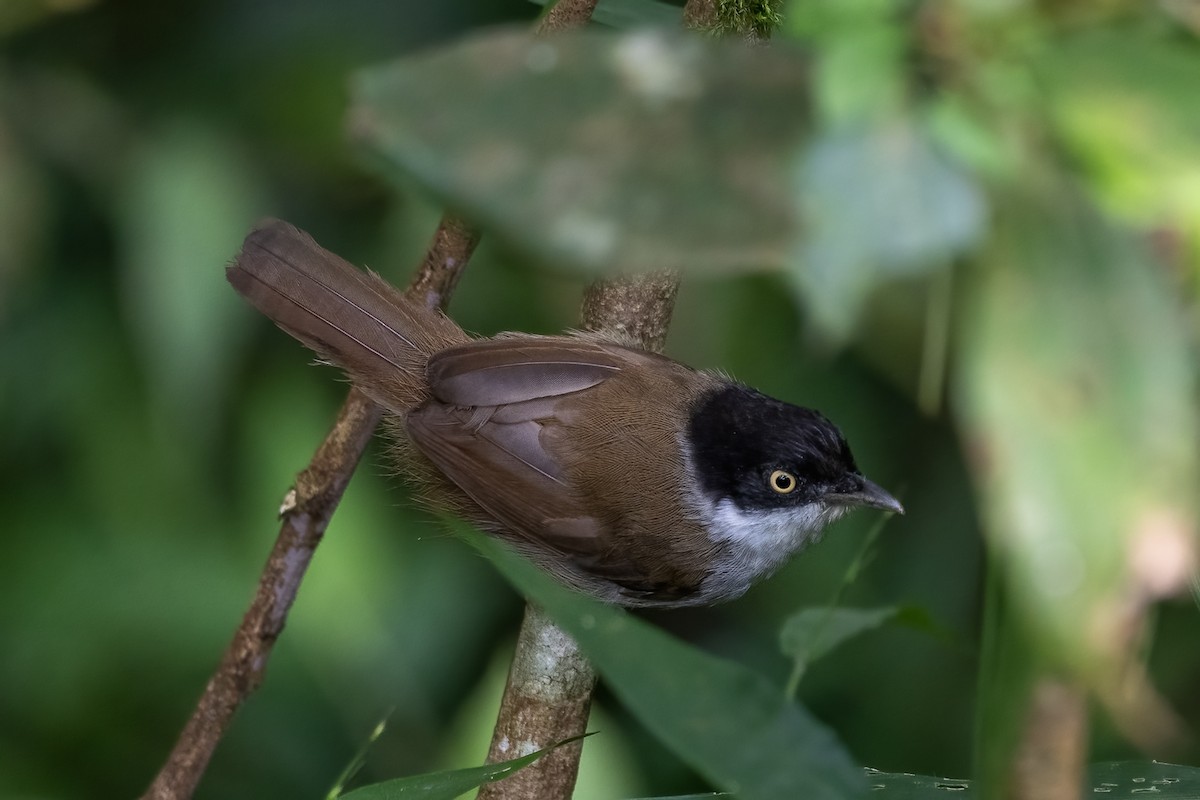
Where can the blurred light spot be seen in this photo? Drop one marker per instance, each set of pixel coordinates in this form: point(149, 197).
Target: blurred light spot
point(653, 69)
point(1162, 552)
point(542, 57)
point(1059, 566)
point(594, 238)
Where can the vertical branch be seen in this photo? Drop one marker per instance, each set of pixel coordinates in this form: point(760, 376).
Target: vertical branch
point(636, 307)
point(305, 515)
point(546, 700)
point(549, 690)
point(548, 695)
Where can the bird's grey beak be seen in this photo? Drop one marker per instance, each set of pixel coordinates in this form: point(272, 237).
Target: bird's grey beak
point(871, 494)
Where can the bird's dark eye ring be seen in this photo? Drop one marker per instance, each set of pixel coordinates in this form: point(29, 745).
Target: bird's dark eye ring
point(783, 482)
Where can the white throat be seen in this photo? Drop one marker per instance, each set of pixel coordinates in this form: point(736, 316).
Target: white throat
point(758, 542)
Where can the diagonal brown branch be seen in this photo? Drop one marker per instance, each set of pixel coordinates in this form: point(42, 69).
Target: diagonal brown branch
point(305, 514)
point(453, 243)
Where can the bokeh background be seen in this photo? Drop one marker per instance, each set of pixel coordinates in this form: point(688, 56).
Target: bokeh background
point(150, 424)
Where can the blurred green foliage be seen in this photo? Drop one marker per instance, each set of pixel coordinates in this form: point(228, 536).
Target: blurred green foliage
point(151, 423)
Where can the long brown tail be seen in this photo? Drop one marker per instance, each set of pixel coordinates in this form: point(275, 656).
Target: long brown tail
point(351, 318)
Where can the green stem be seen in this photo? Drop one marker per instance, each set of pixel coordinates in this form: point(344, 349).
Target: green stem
point(853, 570)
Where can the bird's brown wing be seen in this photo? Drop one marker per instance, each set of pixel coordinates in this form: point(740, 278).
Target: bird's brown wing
point(496, 372)
point(486, 431)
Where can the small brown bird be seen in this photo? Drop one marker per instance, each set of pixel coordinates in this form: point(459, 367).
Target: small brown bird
point(626, 475)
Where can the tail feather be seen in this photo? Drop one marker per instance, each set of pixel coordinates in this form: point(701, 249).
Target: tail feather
point(351, 318)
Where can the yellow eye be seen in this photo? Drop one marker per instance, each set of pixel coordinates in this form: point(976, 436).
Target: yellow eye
point(783, 482)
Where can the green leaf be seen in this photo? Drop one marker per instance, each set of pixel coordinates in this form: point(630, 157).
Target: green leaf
point(449, 784)
point(640, 151)
point(812, 633)
point(625, 14)
point(359, 760)
point(878, 204)
point(730, 724)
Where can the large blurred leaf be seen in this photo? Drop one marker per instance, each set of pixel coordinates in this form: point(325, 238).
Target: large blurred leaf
point(727, 722)
point(878, 203)
point(640, 151)
point(1077, 391)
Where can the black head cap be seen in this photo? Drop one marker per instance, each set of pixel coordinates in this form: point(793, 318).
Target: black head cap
point(763, 453)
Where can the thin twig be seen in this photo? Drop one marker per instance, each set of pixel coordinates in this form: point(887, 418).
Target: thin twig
point(453, 242)
point(305, 514)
